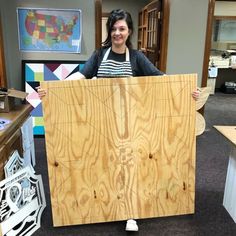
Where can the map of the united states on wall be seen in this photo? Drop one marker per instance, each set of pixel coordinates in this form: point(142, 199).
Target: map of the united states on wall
point(49, 30)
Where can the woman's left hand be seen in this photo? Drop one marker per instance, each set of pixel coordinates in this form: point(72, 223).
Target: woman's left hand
point(196, 94)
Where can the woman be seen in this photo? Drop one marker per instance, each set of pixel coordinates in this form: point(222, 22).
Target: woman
point(117, 59)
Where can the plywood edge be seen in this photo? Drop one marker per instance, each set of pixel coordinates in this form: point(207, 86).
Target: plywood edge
point(105, 81)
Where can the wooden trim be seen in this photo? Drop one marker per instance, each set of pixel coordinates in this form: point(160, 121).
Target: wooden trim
point(164, 34)
point(98, 23)
point(152, 4)
point(211, 8)
point(224, 17)
point(3, 79)
point(105, 14)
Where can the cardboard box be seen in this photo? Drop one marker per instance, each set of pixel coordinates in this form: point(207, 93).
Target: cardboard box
point(7, 99)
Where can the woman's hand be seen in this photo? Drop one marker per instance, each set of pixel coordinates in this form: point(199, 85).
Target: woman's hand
point(41, 92)
point(196, 94)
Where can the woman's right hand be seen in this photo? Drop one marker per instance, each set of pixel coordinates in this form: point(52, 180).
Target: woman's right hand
point(41, 92)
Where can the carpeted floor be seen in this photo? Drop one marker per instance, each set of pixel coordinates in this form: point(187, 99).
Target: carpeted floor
point(210, 216)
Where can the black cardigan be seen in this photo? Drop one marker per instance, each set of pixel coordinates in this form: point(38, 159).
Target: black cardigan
point(140, 64)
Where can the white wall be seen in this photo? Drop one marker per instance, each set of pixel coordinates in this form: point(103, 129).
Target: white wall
point(187, 29)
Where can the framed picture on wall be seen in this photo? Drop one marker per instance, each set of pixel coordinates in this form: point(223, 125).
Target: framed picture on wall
point(33, 72)
point(49, 30)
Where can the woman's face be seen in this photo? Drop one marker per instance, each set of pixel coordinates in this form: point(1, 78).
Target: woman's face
point(119, 33)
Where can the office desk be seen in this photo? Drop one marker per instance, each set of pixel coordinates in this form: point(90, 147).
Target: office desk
point(229, 201)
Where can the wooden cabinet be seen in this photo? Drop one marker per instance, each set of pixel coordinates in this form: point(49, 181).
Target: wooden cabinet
point(10, 136)
point(149, 31)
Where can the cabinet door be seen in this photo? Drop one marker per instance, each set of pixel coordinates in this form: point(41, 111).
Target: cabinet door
point(14, 143)
point(142, 30)
point(3, 159)
point(150, 31)
point(154, 32)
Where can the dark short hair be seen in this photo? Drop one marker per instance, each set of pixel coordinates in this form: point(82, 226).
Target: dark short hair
point(114, 16)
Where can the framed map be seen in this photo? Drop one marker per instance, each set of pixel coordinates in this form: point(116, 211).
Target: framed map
point(54, 30)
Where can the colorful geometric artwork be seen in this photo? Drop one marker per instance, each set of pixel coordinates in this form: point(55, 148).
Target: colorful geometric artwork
point(55, 30)
point(36, 71)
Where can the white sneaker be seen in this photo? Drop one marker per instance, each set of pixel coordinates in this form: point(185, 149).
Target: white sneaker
point(131, 225)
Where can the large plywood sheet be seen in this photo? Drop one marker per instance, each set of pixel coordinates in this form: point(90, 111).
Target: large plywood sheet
point(120, 148)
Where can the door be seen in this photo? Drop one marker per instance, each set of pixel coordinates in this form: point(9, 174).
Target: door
point(154, 32)
point(158, 31)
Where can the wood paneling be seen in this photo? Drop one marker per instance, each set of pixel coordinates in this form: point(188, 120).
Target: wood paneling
point(120, 148)
point(164, 35)
point(98, 23)
point(205, 66)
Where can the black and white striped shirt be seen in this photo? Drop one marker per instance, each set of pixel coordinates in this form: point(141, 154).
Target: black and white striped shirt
point(115, 65)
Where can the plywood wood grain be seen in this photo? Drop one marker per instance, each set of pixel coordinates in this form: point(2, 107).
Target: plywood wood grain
point(120, 148)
